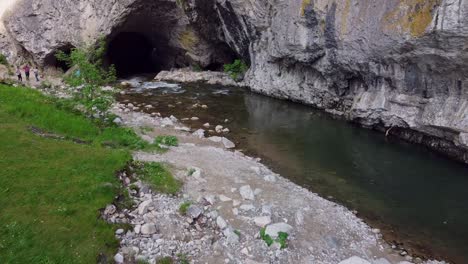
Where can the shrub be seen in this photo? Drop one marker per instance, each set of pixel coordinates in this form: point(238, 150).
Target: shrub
point(88, 78)
point(236, 69)
point(3, 60)
point(184, 207)
point(167, 140)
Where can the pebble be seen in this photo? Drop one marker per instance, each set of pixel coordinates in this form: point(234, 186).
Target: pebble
point(118, 258)
point(262, 221)
point(194, 118)
point(247, 207)
point(354, 260)
point(148, 229)
point(247, 193)
point(219, 129)
point(207, 125)
point(221, 223)
point(119, 231)
point(224, 198)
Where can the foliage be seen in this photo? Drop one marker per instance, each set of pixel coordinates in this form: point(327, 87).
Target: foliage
point(165, 260)
point(158, 177)
point(61, 117)
point(51, 190)
point(184, 207)
point(183, 259)
point(89, 76)
point(197, 68)
point(191, 171)
point(3, 60)
point(268, 240)
point(281, 239)
point(167, 140)
point(236, 69)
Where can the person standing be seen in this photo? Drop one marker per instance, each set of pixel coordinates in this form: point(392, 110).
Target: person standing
point(18, 74)
point(36, 73)
point(27, 71)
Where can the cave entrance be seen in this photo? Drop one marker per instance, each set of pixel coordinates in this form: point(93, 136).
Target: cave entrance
point(52, 61)
point(132, 53)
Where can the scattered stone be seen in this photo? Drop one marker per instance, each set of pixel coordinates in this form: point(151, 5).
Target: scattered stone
point(226, 130)
point(194, 118)
point(376, 231)
point(119, 232)
point(224, 198)
point(117, 121)
point(110, 210)
point(194, 211)
point(219, 129)
point(204, 106)
point(231, 236)
point(137, 229)
point(207, 125)
point(247, 193)
point(148, 229)
point(221, 223)
point(200, 133)
point(211, 199)
point(235, 211)
point(274, 229)
point(143, 207)
point(118, 258)
point(257, 191)
point(266, 209)
point(228, 144)
point(262, 221)
point(247, 207)
point(236, 203)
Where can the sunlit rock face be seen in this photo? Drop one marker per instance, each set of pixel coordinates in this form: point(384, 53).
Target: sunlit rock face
point(399, 64)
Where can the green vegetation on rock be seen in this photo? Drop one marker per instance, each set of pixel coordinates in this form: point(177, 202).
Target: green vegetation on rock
point(167, 141)
point(158, 177)
point(184, 207)
point(236, 69)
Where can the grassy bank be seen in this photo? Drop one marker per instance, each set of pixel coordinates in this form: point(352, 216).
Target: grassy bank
point(51, 190)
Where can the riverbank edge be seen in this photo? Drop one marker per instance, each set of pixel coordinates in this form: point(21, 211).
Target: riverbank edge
point(442, 146)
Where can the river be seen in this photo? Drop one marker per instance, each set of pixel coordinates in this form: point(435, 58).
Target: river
point(418, 198)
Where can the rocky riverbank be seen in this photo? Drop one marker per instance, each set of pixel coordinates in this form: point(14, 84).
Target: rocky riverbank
point(232, 197)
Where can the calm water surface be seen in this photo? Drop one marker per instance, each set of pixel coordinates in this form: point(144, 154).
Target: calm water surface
point(417, 197)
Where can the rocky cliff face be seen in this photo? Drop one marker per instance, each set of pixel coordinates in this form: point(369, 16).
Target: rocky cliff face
point(400, 66)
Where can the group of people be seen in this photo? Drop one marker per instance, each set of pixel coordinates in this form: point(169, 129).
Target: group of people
point(27, 71)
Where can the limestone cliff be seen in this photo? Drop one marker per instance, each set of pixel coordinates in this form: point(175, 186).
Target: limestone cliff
point(400, 66)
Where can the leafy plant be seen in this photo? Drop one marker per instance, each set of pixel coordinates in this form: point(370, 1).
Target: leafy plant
point(183, 259)
point(184, 207)
point(167, 140)
point(89, 76)
point(267, 238)
point(281, 239)
point(236, 69)
point(3, 60)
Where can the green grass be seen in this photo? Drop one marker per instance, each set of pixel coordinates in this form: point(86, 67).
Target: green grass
point(165, 260)
point(51, 190)
point(167, 140)
point(57, 116)
point(184, 207)
point(158, 177)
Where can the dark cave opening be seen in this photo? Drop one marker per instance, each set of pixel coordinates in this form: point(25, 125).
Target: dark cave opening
point(132, 53)
point(52, 61)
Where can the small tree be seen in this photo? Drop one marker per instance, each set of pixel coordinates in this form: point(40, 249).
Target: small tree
point(236, 69)
point(89, 75)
